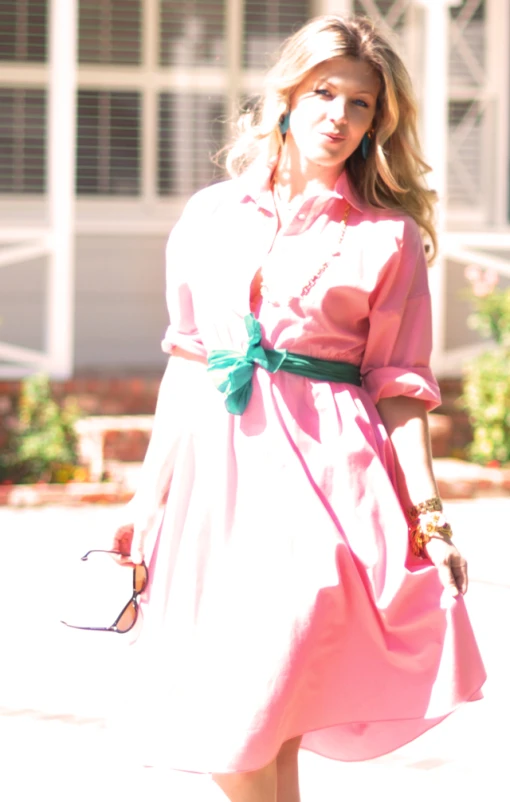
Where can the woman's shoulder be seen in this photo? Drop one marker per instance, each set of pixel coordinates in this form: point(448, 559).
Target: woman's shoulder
point(395, 227)
point(391, 242)
point(390, 219)
point(210, 198)
point(381, 222)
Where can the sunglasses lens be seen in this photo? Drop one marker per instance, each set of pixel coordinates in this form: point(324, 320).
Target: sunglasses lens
point(128, 618)
point(140, 578)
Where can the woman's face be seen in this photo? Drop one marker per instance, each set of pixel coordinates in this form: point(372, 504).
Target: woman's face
point(331, 110)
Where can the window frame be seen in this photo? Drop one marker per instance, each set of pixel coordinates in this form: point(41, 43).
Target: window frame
point(149, 78)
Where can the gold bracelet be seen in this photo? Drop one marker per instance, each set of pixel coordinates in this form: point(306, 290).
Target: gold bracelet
point(431, 505)
point(427, 523)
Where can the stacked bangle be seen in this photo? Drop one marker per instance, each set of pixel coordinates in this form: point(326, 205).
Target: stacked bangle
point(427, 521)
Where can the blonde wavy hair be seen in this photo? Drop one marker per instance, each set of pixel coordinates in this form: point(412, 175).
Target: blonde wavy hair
point(393, 174)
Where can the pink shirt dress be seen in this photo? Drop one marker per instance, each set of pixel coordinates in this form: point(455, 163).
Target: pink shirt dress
point(283, 596)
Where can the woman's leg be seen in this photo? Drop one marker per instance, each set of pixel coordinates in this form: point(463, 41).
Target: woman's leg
point(287, 772)
point(249, 786)
point(277, 782)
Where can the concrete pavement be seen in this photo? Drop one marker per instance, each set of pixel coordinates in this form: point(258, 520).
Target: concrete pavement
point(55, 684)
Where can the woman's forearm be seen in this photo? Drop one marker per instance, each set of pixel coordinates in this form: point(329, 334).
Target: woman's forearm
point(405, 420)
point(152, 481)
point(156, 472)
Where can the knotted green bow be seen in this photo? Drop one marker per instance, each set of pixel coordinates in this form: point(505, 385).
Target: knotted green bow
point(232, 372)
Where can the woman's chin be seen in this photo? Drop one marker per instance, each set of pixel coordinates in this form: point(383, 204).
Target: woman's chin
point(326, 160)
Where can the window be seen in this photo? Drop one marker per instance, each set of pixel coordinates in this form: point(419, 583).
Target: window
point(23, 30)
point(390, 12)
point(190, 133)
point(467, 44)
point(192, 32)
point(108, 148)
point(470, 121)
point(110, 32)
point(266, 24)
point(465, 167)
point(173, 101)
point(22, 140)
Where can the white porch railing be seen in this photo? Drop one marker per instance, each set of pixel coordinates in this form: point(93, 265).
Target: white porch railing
point(21, 247)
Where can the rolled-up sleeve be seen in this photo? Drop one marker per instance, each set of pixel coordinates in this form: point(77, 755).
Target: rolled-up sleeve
point(396, 361)
point(182, 330)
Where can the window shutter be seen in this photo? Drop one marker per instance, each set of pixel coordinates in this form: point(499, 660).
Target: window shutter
point(192, 33)
point(266, 25)
point(467, 43)
point(109, 121)
point(23, 39)
point(468, 122)
point(22, 141)
point(110, 32)
point(190, 133)
point(108, 148)
point(23, 30)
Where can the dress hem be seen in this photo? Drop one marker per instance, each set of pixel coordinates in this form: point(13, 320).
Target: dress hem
point(428, 725)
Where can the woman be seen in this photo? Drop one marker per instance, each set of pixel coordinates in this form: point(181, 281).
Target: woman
point(285, 607)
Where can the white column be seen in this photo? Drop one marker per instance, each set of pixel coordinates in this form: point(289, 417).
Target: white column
point(61, 181)
point(150, 101)
point(435, 141)
point(235, 41)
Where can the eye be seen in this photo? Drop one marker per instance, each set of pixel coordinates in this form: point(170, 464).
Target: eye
point(322, 92)
point(361, 103)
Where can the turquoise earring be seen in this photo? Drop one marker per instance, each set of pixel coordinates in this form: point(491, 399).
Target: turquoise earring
point(284, 123)
point(365, 145)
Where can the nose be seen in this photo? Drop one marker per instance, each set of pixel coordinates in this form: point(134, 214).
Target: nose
point(337, 110)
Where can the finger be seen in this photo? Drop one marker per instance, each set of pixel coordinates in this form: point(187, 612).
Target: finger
point(137, 548)
point(122, 543)
point(123, 537)
point(460, 574)
point(447, 578)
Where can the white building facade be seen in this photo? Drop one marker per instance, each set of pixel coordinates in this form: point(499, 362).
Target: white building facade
point(111, 109)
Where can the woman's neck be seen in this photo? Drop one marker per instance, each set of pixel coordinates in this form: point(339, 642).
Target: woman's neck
point(295, 178)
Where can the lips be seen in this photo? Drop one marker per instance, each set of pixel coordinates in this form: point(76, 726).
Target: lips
point(334, 137)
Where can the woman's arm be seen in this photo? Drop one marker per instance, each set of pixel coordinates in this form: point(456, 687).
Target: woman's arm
point(405, 420)
point(176, 392)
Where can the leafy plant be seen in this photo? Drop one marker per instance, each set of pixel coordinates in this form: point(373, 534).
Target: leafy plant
point(42, 444)
point(486, 383)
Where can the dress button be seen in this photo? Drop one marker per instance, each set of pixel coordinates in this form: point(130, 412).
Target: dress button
point(301, 216)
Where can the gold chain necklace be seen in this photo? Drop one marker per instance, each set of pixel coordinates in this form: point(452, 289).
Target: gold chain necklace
point(266, 293)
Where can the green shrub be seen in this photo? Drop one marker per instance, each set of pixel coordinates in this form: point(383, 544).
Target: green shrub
point(42, 443)
point(486, 383)
point(486, 397)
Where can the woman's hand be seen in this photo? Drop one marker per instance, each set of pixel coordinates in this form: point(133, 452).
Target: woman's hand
point(122, 540)
point(129, 537)
point(450, 563)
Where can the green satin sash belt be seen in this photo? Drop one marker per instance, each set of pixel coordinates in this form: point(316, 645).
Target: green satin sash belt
point(232, 371)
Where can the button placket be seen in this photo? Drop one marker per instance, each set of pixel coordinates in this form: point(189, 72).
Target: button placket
point(285, 301)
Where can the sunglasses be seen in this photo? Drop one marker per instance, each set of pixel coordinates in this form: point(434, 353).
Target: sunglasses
point(129, 613)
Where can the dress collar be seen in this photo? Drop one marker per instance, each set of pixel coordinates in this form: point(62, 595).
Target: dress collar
point(256, 185)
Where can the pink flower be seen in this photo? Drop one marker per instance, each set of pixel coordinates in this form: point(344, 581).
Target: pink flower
point(482, 281)
point(480, 289)
point(473, 273)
